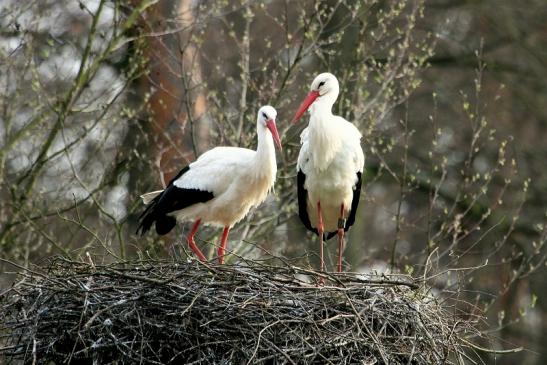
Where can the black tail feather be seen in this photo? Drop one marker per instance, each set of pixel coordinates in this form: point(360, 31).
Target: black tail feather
point(329, 235)
point(165, 224)
point(303, 202)
point(147, 218)
point(168, 202)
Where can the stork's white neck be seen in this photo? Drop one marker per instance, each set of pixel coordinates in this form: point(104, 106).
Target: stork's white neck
point(264, 163)
point(324, 133)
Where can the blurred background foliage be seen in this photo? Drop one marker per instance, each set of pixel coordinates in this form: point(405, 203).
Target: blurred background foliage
point(104, 100)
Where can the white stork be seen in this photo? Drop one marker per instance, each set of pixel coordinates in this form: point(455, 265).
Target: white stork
point(219, 188)
point(330, 164)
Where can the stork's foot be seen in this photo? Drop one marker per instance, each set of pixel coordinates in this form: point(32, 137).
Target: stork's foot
point(321, 281)
point(196, 250)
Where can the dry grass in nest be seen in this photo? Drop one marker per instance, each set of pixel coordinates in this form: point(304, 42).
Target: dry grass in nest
point(156, 312)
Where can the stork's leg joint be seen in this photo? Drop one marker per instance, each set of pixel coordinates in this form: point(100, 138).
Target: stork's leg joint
point(192, 243)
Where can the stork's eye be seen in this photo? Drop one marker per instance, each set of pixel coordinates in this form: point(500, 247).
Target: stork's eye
point(321, 83)
point(264, 116)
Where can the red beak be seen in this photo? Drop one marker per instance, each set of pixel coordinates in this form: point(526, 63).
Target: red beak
point(270, 123)
point(305, 105)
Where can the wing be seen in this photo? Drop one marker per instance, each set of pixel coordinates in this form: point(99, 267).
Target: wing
point(301, 181)
point(359, 161)
point(353, 149)
point(303, 202)
point(214, 170)
point(173, 198)
point(209, 176)
point(303, 156)
point(304, 135)
point(354, 204)
point(148, 197)
point(353, 136)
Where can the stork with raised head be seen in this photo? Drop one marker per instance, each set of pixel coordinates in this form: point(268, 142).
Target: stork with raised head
point(330, 165)
point(218, 189)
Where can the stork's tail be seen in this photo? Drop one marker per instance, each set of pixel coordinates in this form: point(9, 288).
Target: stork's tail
point(148, 197)
point(164, 223)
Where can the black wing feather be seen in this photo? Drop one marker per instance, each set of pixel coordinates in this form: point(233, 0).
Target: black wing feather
point(354, 204)
point(171, 199)
point(303, 202)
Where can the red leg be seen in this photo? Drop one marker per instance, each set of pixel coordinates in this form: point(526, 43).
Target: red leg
point(320, 231)
point(222, 247)
point(192, 243)
point(341, 225)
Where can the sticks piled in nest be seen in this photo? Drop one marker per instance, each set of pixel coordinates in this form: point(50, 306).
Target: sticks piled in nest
point(165, 312)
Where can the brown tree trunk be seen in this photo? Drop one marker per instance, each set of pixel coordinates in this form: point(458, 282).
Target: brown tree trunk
point(177, 115)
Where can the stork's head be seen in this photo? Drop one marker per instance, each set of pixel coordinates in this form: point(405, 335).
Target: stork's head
point(324, 88)
point(266, 119)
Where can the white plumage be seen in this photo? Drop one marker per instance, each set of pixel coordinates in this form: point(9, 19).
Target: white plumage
point(239, 178)
point(330, 178)
point(330, 164)
point(219, 188)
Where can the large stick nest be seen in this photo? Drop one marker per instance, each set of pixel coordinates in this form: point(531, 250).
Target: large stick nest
point(165, 312)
